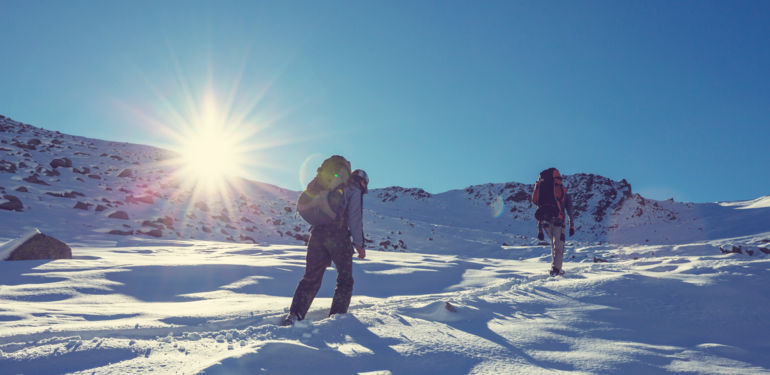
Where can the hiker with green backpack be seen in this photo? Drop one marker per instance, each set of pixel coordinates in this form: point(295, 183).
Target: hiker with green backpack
point(551, 198)
point(333, 205)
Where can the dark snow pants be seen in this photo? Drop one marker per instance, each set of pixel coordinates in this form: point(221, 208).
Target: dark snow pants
point(326, 245)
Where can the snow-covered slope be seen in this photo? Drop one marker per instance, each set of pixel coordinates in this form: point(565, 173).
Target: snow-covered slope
point(651, 286)
point(79, 188)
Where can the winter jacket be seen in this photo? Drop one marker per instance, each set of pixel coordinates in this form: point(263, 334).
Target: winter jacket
point(355, 212)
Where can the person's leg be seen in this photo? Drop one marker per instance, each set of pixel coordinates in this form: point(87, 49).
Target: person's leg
point(342, 255)
point(316, 261)
point(557, 247)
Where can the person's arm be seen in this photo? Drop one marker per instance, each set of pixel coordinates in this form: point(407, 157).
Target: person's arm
point(568, 203)
point(356, 221)
point(535, 192)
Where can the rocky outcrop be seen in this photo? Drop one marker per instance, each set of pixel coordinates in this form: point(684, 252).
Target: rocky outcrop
point(35, 180)
point(121, 232)
point(394, 192)
point(13, 204)
point(40, 246)
point(122, 215)
point(82, 206)
point(63, 162)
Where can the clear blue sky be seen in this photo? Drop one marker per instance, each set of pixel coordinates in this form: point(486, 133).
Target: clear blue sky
point(672, 96)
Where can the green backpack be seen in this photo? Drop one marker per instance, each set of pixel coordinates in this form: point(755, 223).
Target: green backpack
point(323, 201)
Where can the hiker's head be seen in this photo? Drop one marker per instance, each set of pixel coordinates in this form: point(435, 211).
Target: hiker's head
point(362, 178)
point(556, 176)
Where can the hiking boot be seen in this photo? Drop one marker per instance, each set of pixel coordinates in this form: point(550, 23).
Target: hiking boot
point(556, 272)
point(289, 320)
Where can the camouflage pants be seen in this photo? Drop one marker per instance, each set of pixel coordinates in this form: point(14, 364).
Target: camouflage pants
point(325, 246)
point(555, 232)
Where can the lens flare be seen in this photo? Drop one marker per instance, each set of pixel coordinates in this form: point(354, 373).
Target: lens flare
point(307, 169)
point(497, 205)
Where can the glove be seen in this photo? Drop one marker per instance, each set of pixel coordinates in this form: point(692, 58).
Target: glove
point(540, 235)
point(571, 231)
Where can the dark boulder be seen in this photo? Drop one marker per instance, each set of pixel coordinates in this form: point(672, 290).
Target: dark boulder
point(35, 180)
point(153, 233)
point(119, 215)
point(84, 170)
point(63, 162)
point(7, 166)
point(13, 204)
point(82, 206)
point(142, 199)
point(126, 173)
point(121, 233)
point(41, 246)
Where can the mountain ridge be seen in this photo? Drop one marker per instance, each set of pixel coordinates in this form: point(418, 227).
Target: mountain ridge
point(76, 187)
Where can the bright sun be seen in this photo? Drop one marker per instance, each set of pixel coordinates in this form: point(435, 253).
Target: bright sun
point(209, 156)
point(212, 148)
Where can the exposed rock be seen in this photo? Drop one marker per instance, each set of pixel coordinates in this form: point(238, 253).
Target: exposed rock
point(121, 232)
point(143, 199)
point(247, 238)
point(100, 208)
point(35, 180)
point(49, 173)
point(22, 189)
point(122, 215)
point(95, 176)
point(7, 166)
point(126, 173)
point(40, 246)
point(152, 224)
point(520, 196)
point(222, 217)
point(84, 170)
point(63, 162)
point(598, 260)
point(167, 221)
point(23, 145)
point(392, 193)
point(302, 237)
point(13, 204)
point(153, 233)
point(66, 194)
point(83, 206)
point(733, 250)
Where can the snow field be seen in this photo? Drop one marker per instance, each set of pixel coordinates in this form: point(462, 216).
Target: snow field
point(205, 307)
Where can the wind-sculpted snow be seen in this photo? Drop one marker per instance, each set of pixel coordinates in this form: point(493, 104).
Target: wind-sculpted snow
point(159, 306)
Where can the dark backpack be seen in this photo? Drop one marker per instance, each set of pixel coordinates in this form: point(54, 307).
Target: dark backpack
point(549, 196)
point(323, 201)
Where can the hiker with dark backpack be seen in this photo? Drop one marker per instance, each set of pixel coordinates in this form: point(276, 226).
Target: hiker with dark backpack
point(333, 205)
point(551, 198)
